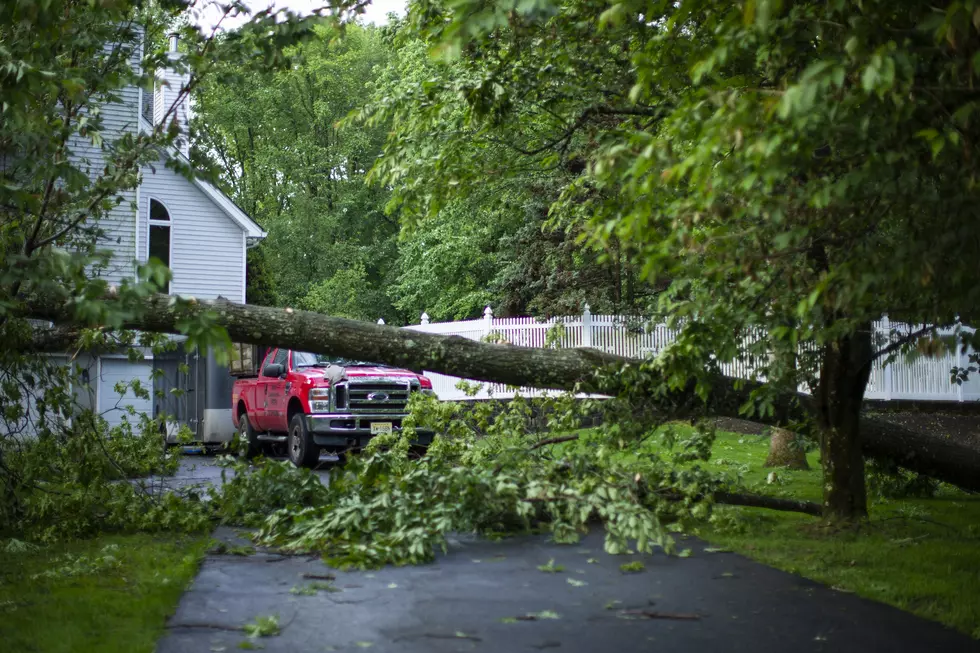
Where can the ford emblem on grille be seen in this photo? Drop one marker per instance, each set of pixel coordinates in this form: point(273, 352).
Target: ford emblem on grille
point(377, 396)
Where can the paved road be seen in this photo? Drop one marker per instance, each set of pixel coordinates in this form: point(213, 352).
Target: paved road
point(477, 598)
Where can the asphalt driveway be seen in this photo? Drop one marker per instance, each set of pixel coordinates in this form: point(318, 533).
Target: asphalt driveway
point(490, 596)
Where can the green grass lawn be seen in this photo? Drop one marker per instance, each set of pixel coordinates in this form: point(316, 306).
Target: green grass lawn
point(91, 602)
point(921, 555)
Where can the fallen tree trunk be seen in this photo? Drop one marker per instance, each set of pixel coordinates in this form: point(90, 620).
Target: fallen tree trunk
point(762, 501)
point(580, 369)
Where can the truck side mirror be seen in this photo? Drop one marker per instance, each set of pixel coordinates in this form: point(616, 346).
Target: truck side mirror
point(273, 370)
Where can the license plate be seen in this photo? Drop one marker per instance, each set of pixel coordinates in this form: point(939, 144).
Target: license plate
point(380, 428)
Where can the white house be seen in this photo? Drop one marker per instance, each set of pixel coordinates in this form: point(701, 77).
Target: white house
point(201, 235)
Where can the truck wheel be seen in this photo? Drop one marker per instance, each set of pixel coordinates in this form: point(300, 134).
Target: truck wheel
point(248, 439)
point(303, 452)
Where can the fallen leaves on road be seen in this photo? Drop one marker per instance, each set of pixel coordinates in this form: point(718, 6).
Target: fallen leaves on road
point(537, 616)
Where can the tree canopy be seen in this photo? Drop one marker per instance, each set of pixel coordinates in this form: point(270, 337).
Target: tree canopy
point(799, 169)
point(769, 178)
point(272, 136)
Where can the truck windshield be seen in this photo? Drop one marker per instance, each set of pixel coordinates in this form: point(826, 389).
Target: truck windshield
point(306, 359)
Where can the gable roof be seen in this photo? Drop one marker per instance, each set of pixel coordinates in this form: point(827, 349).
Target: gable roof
point(251, 228)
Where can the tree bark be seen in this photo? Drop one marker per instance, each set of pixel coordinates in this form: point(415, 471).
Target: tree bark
point(844, 373)
point(563, 369)
point(786, 450)
point(773, 503)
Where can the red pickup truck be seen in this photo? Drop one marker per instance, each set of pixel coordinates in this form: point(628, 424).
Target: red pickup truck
point(311, 402)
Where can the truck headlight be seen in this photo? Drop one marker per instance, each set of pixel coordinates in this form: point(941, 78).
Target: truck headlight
point(319, 400)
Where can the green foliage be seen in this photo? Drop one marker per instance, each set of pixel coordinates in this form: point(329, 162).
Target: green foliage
point(86, 477)
point(348, 293)
point(264, 485)
point(485, 474)
point(889, 481)
point(259, 290)
point(551, 567)
point(310, 589)
point(69, 565)
point(474, 211)
point(330, 247)
point(447, 265)
point(770, 175)
point(632, 567)
point(263, 626)
point(70, 168)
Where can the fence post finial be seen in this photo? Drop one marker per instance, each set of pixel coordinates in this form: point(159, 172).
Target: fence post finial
point(487, 321)
point(425, 318)
point(381, 320)
point(587, 327)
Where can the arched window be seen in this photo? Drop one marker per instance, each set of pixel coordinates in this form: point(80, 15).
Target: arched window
point(159, 240)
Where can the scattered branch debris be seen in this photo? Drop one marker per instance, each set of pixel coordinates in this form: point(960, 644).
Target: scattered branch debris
point(206, 626)
point(651, 614)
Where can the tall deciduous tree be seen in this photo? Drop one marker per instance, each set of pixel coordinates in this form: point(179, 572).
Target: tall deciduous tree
point(812, 164)
point(492, 242)
point(273, 136)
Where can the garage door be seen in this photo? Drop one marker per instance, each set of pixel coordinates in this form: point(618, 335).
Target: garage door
point(111, 404)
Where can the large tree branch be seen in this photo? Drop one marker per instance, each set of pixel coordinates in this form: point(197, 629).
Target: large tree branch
point(577, 369)
point(902, 341)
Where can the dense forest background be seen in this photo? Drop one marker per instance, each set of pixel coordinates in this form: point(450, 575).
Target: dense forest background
point(287, 145)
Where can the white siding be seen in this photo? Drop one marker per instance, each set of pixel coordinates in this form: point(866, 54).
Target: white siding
point(118, 118)
point(207, 249)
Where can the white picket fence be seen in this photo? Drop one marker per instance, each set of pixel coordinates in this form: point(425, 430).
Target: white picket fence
point(911, 378)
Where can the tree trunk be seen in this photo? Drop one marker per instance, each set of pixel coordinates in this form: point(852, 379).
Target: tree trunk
point(562, 369)
point(786, 450)
point(844, 373)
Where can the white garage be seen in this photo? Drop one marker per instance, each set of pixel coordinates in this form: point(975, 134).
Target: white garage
point(112, 406)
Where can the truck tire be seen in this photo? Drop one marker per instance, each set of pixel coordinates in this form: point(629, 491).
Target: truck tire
point(303, 452)
point(248, 439)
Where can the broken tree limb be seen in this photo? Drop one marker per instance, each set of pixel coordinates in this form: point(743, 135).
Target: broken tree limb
point(576, 369)
point(749, 500)
point(762, 501)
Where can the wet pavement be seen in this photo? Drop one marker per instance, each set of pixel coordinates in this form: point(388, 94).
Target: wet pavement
point(490, 596)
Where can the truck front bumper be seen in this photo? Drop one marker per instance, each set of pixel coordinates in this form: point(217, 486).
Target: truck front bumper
point(346, 431)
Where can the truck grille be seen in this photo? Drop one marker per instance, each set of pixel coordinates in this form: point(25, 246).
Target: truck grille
point(378, 396)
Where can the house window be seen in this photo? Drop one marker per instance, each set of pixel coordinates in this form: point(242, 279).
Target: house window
point(159, 239)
